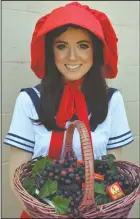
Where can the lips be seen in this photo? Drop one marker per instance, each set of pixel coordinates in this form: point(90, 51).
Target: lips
point(73, 67)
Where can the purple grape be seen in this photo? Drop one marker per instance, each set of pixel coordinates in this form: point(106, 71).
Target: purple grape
point(61, 161)
point(77, 178)
point(71, 215)
point(68, 181)
point(70, 160)
point(77, 200)
point(56, 177)
point(71, 197)
point(63, 173)
point(75, 212)
point(70, 170)
point(72, 203)
point(78, 192)
point(71, 175)
point(51, 174)
point(66, 164)
point(69, 210)
point(134, 185)
point(41, 182)
point(45, 173)
point(60, 192)
point(66, 194)
point(57, 171)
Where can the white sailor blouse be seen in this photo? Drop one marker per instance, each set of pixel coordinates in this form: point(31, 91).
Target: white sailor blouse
point(23, 133)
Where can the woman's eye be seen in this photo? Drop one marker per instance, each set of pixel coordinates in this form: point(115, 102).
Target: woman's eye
point(84, 46)
point(61, 46)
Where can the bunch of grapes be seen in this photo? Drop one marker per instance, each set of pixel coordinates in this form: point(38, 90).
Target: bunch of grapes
point(127, 185)
point(65, 171)
point(69, 176)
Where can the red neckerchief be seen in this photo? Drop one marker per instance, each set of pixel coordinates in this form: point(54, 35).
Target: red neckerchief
point(72, 102)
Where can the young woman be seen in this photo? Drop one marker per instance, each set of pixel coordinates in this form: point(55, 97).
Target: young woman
point(73, 50)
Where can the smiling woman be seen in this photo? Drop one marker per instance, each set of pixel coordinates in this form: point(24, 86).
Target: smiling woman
point(72, 55)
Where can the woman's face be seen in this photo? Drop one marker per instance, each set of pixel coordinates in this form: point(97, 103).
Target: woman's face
point(73, 53)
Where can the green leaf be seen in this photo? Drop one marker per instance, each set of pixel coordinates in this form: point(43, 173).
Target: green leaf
point(96, 162)
point(31, 191)
point(109, 157)
point(99, 188)
point(49, 188)
point(29, 184)
point(112, 168)
point(41, 163)
point(61, 204)
point(102, 199)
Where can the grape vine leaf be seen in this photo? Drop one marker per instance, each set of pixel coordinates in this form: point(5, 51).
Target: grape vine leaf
point(31, 191)
point(109, 157)
point(41, 163)
point(99, 188)
point(49, 188)
point(102, 199)
point(96, 162)
point(112, 168)
point(61, 204)
point(29, 184)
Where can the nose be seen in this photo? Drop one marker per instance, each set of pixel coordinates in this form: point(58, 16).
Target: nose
point(72, 55)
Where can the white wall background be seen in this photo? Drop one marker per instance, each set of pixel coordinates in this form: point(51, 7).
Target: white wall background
point(18, 21)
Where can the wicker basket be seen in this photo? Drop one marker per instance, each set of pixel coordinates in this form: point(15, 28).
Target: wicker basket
point(115, 209)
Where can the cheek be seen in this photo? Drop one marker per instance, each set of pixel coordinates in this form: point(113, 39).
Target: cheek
point(86, 56)
point(59, 56)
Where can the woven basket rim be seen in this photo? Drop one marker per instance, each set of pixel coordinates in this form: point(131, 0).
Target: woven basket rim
point(126, 199)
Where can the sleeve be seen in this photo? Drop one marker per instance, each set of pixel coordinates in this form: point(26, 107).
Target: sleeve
point(120, 133)
point(21, 132)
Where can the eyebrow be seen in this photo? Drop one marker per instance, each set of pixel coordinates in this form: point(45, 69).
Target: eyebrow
point(81, 41)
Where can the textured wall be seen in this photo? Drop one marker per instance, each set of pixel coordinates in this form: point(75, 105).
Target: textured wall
point(18, 20)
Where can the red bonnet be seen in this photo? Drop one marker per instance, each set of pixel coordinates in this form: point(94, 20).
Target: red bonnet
point(75, 13)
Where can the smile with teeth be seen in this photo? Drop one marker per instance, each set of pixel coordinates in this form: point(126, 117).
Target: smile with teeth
point(71, 67)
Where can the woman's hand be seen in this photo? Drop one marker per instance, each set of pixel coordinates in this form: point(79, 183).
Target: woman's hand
point(17, 157)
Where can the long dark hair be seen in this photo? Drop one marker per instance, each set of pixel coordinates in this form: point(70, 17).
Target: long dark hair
point(94, 87)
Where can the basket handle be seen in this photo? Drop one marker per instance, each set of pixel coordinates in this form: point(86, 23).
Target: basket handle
point(87, 155)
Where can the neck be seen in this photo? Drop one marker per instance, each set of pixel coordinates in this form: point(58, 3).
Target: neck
point(79, 82)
